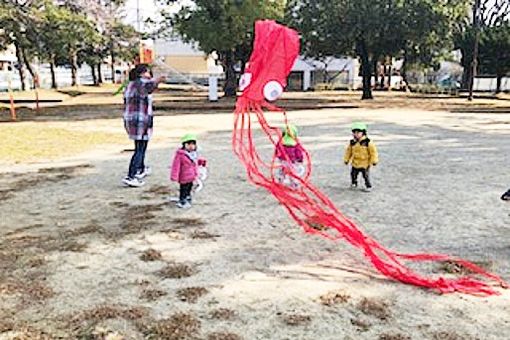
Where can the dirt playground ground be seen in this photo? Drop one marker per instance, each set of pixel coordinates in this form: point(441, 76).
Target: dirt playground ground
point(82, 257)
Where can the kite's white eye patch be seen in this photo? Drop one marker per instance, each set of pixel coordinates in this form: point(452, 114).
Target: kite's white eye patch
point(244, 81)
point(273, 90)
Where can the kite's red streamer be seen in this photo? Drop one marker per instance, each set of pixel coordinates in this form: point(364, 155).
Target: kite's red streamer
point(310, 207)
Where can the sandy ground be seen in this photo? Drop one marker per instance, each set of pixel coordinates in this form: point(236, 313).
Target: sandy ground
point(83, 257)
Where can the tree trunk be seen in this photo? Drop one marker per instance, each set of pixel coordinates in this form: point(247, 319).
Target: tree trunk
point(383, 77)
point(74, 68)
point(112, 54)
point(376, 71)
point(29, 68)
point(466, 73)
point(403, 72)
point(53, 77)
point(99, 74)
point(230, 75)
point(20, 64)
point(389, 76)
point(474, 60)
point(366, 70)
point(499, 78)
point(94, 77)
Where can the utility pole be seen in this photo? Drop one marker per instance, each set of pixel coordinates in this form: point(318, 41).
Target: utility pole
point(474, 62)
point(140, 52)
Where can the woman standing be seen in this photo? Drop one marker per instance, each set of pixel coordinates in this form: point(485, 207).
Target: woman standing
point(138, 120)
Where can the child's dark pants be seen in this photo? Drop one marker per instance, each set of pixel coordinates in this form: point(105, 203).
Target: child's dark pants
point(185, 192)
point(364, 172)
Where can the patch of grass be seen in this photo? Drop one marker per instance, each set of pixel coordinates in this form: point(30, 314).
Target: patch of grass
point(119, 204)
point(315, 224)
point(159, 190)
point(88, 318)
point(35, 262)
point(376, 308)
point(176, 271)
point(223, 336)
point(33, 291)
point(334, 298)
point(151, 255)
point(18, 183)
point(451, 267)
point(183, 222)
point(6, 325)
point(19, 147)
point(101, 333)
point(394, 336)
point(297, 319)
point(91, 228)
point(202, 235)
point(222, 314)
point(38, 291)
point(137, 218)
point(191, 294)
point(26, 333)
point(449, 335)
point(66, 169)
point(361, 325)
point(6, 194)
point(72, 246)
point(178, 326)
point(72, 93)
point(152, 294)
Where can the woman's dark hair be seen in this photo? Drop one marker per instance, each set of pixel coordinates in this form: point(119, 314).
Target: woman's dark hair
point(141, 69)
point(132, 75)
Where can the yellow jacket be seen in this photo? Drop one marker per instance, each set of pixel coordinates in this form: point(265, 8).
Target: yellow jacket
point(361, 153)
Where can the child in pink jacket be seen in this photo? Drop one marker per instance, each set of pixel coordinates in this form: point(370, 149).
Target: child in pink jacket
point(185, 169)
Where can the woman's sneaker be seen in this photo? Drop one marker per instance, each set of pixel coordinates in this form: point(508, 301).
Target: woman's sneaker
point(146, 172)
point(183, 205)
point(133, 182)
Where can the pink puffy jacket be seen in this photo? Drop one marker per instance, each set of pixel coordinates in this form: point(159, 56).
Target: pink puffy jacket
point(294, 153)
point(184, 170)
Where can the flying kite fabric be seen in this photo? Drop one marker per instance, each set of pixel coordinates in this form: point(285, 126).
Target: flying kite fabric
point(275, 50)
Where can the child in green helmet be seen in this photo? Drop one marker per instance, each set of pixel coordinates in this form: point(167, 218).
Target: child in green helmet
point(362, 154)
point(289, 153)
point(184, 169)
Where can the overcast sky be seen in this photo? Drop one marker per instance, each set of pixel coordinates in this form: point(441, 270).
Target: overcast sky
point(147, 10)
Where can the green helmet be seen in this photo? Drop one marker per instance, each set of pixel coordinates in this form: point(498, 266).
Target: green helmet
point(290, 135)
point(188, 138)
point(359, 126)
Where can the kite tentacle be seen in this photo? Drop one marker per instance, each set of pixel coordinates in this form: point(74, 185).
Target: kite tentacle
point(311, 209)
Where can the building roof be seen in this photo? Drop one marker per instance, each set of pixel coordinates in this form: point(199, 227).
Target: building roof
point(176, 47)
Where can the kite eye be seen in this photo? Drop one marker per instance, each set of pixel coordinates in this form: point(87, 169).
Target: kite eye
point(273, 90)
point(244, 81)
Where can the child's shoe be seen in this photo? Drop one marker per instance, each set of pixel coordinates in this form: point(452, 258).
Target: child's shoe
point(354, 186)
point(506, 196)
point(133, 182)
point(367, 189)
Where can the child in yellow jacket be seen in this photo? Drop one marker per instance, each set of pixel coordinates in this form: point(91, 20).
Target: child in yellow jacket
point(362, 154)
